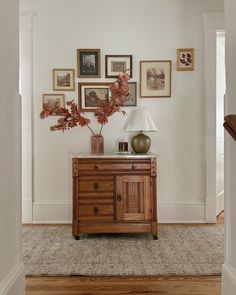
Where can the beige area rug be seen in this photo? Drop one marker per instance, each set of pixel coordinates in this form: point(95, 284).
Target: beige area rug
point(180, 250)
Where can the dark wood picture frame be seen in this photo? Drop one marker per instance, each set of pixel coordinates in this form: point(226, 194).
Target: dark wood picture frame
point(89, 95)
point(115, 64)
point(88, 63)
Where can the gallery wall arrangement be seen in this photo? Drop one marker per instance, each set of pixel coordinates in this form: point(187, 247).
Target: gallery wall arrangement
point(155, 78)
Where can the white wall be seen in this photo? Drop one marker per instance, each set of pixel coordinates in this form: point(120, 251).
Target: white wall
point(11, 266)
point(149, 30)
point(229, 268)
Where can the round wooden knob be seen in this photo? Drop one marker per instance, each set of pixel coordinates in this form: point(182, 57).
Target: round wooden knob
point(95, 210)
point(118, 198)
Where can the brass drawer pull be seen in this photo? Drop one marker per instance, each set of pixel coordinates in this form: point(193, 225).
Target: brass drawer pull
point(118, 198)
point(95, 186)
point(133, 166)
point(95, 210)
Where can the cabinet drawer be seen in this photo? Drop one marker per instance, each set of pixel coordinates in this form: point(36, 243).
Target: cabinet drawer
point(96, 212)
point(95, 183)
point(105, 166)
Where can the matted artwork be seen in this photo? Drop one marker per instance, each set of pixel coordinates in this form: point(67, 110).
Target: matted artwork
point(63, 79)
point(185, 59)
point(131, 97)
point(116, 64)
point(88, 63)
point(91, 95)
point(54, 101)
point(155, 78)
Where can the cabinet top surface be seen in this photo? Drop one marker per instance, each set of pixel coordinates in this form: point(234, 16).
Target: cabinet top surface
point(114, 155)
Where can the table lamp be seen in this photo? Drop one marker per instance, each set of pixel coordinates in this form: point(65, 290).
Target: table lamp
point(140, 120)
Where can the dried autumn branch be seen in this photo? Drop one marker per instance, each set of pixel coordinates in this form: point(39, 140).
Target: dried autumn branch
point(72, 116)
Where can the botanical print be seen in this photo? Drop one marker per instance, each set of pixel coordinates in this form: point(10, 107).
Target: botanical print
point(155, 78)
point(93, 96)
point(185, 59)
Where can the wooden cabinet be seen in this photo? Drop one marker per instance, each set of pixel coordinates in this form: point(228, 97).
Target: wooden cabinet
point(114, 194)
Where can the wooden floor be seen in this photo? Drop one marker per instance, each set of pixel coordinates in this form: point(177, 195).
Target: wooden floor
point(171, 285)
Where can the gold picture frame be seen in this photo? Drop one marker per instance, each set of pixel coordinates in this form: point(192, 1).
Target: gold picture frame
point(63, 79)
point(155, 78)
point(55, 101)
point(185, 59)
point(88, 63)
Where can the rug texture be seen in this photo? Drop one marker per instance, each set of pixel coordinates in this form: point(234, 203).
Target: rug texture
point(180, 250)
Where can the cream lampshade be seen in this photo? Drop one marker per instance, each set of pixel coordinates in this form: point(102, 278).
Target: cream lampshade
point(140, 120)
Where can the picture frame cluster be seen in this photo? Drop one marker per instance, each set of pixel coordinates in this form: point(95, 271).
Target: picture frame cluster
point(155, 78)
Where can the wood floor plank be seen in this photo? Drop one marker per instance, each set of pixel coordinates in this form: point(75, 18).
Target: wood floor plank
point(194, 285)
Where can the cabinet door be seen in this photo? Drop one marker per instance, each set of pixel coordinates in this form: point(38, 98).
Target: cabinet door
point(133, 197)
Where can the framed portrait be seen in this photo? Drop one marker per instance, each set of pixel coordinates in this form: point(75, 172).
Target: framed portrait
point(185, 59)
point(92, 94)
point(131, 97)
point(63, 79)
point(155, 78)
point(55, 101)
point(88, 63)
point(115, 64)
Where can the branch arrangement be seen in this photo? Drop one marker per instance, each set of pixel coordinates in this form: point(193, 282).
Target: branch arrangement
point(73, 116)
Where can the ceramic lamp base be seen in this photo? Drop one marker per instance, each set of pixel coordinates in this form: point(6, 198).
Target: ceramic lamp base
point(141, 143)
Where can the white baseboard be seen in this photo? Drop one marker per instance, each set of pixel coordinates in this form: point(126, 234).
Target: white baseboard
point(27, 214)
point(168, 212)
point(14, 282)
point(228, 280)
point(181, 212)
point(56, 212)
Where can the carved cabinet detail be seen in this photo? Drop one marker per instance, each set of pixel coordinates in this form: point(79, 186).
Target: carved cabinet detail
point(114, 195)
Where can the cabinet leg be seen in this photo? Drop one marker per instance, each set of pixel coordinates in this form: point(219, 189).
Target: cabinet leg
point(77, 237)
point(155, 237)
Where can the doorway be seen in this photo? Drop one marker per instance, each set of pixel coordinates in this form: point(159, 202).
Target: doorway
point(220, 94)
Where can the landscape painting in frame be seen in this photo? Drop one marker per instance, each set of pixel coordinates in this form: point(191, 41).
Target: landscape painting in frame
point(54, 102)
point(155, 78)
point(63, 79)
point(185, 59)
point(92, 95)
point(131, 97)
point(88, 63)
point(116, 64)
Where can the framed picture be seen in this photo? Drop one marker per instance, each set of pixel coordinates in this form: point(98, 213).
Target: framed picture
point(185, 59)
point(155, 78)
point(63, 79)
point(92, 94)
point(131, 97)
point(115, 64)
point(55, 101)
point(88, 63)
